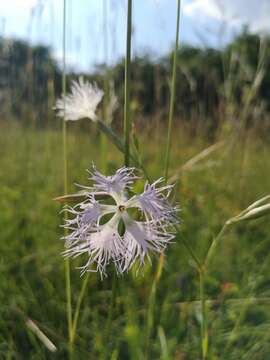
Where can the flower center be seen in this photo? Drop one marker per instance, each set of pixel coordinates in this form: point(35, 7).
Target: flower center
point(121, 208)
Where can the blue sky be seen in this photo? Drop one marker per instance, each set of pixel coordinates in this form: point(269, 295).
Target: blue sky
point(203, 22)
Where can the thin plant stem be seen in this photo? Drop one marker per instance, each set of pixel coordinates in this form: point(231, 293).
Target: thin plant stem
point(152, 297)
point(172, 97)
point(106, 71)
point(126, 146)
point(78, 306)
point(202, 270)
point(204, 330)
point(150, 317)
point(214, 244)
point(104, 147)
point(151, 306)
point(104, 142)
point(127, 84)
point(110, 317)
point(64, 136)
point(121, 146)
point(103, 152)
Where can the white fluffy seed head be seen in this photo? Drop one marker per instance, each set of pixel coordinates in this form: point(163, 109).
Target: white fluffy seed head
point(81, 102)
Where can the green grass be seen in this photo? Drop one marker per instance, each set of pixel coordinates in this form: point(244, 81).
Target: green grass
point(32, 269)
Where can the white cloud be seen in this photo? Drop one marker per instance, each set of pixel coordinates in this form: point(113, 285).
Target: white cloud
point(207, 8)
point(255, 13)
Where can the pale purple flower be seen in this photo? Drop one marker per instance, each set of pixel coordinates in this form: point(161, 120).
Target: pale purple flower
point(154, 204)
point(81, 102)
point(117, 183)
point(95, 228)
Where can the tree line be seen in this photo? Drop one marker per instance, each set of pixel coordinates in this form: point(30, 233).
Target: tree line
point(212, 85)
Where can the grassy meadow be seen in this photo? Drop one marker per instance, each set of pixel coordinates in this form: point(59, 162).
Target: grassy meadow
point(219, 186)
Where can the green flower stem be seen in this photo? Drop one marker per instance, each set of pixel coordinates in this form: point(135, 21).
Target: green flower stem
point(202, 270)
point(214, 244)
point(64, 135)
point(172, 98)
point(127, 85)
point(151, 307)
point(103, 127)
point(150, 317)
point(108, 325)
point(121, 146)
point(103, 140)
point(78, 306)
point(124, 147)
point(204, 328)
point(152, 297)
